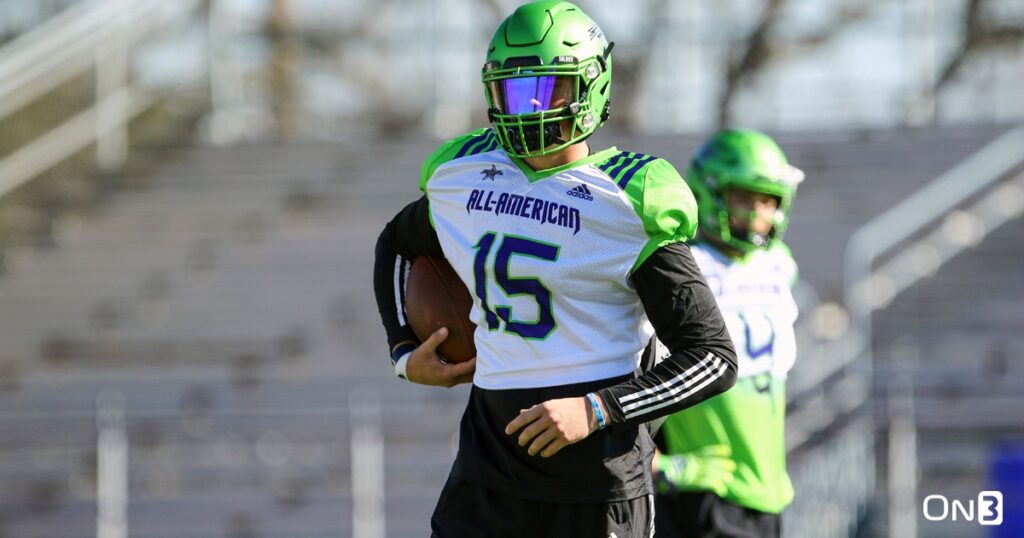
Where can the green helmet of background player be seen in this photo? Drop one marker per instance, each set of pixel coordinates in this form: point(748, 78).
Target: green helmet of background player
point(547, 78)
point(742, 159)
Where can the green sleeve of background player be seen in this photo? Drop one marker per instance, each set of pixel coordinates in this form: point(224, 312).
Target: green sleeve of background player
point(665, 204)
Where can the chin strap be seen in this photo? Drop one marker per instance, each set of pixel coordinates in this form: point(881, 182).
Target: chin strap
point(554, 133)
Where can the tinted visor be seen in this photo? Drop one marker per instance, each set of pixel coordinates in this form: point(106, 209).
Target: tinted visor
point(528, 95)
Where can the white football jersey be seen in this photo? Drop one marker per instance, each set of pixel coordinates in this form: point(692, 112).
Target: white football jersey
point(755, 296)
point(547, 257)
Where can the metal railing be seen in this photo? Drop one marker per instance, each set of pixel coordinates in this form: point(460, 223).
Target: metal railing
point(828, 433)
point(830, 410)
point(868, 288)
point(97, 36)
point(878, 237)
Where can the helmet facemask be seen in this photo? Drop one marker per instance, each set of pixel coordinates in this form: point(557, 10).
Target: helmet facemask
point(712, 197)
point(745, 238)
point(547, 77)
point(542, 109)
point(747, 160)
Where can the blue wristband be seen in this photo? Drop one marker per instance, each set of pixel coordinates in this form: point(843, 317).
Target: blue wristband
point(597, 411)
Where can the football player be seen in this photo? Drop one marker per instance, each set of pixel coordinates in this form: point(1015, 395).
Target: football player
point(722, 468)
point(571, 255)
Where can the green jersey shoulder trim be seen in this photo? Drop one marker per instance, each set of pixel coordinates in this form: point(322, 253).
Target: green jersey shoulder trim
point(659, 196)
point(478, 141)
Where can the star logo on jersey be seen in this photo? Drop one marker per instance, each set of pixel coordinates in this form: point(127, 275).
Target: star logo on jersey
point(491, 173)
point(581, 191)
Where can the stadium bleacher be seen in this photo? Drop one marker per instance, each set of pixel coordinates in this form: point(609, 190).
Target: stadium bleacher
point(229, 300)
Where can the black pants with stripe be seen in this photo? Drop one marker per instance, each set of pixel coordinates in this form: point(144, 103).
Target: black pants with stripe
point(468, 510)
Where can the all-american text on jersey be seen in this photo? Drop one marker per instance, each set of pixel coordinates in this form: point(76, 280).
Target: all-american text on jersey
point(527, 207)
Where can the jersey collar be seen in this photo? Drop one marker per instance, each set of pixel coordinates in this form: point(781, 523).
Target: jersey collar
point(537, 175)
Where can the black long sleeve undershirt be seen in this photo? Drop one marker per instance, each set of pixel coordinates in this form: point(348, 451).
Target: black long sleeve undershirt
point(407, 236)
point(685, 316)
point(671, 288)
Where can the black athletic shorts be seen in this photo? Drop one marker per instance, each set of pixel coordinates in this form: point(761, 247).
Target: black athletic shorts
point(468, 510)
point(702, 514)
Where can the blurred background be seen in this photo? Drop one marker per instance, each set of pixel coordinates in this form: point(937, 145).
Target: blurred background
point(190, 192)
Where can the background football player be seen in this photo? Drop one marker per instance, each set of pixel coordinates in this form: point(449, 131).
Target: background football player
point(571, 256)
point(722, 469)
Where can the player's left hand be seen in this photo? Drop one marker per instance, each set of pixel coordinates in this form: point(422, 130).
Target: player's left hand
point(551, 426)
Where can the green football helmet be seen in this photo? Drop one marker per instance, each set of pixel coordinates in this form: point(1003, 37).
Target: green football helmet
point(547, 78)
point(741, 159)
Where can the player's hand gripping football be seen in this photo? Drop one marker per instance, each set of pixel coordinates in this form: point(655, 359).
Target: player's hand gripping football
point(426, 367)
point(553, 425)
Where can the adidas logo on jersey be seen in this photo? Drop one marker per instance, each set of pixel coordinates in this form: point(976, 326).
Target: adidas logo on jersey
point(581, 191)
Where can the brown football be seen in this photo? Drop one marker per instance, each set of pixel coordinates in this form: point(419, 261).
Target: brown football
point(435, 297)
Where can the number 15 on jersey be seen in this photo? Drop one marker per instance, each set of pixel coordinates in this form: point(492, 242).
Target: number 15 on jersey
point(509, 246)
